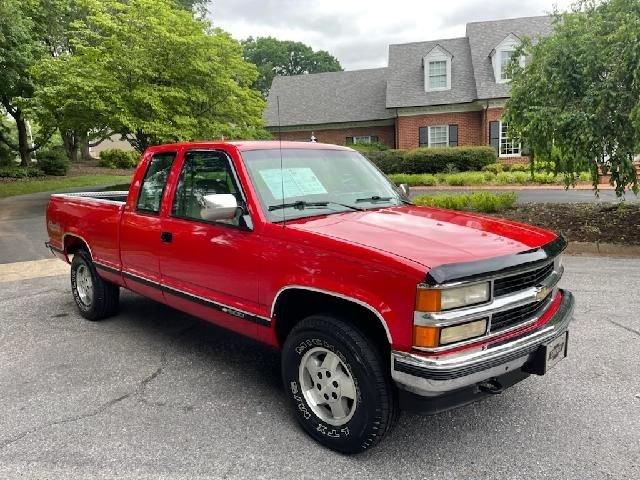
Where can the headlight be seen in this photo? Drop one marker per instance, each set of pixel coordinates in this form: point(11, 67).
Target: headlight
point(466, 331)
point(436, 300)
point(432, 337)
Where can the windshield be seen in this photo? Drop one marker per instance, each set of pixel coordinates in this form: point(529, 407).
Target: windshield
point(317, 182)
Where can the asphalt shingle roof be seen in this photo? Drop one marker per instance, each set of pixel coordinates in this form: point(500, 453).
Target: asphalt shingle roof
point(334, 97)
point(485, 36)
point(366, 95)
point(405, 87)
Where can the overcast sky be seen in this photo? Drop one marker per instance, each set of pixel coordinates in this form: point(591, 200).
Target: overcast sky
point(358, 32)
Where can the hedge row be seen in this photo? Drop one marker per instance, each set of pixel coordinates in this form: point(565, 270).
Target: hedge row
point(114, 158)
point(433, 160)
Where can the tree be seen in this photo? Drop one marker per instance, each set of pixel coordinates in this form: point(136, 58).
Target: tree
point(282, 57)
point(19, 51)
point(150, 71)
point(579, 93)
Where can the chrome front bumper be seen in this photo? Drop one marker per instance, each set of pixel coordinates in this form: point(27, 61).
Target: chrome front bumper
point(439, 375)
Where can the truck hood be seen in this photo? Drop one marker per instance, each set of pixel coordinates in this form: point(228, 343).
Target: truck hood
point(428, 236)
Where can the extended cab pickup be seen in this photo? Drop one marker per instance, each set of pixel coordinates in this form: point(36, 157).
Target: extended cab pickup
point(375, 304)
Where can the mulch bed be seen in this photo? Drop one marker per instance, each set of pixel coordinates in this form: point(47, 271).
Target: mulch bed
point(579, 222)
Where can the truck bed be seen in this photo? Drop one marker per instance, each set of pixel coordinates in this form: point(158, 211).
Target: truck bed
point(93, 217)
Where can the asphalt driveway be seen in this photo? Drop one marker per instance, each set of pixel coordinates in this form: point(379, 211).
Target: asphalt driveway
point(154, 393)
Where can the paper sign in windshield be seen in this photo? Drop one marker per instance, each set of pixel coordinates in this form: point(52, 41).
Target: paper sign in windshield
point(295, 182)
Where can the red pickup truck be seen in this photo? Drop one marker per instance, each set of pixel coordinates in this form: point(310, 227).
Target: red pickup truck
point(375, 304)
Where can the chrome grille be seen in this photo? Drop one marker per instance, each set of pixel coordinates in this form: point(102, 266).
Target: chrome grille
point(510, 318)
point(521, 281)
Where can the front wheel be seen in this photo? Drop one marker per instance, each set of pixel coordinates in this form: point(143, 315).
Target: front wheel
point(336, 380)
point(95, 298)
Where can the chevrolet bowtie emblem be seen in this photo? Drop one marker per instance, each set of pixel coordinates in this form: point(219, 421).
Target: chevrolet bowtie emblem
point(542, 293)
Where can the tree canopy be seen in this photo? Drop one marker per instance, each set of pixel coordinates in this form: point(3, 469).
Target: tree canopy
point(150, 71)
point(282, 57)
point(578, 96)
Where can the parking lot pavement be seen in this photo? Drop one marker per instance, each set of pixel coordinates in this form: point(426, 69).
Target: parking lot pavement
point(153, 393)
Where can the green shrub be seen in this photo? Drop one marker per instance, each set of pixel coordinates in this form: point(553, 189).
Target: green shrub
point(369, 147)
point(114, 158)
point(544, 166)
point(465, 178)
point(585, 177)
point(7, 157)
point(414, 180)
point(486, 202)
point(489, 177)
point(19, 172)
point(507, 178)
point(53, 161)
point(546, 178)
point(518, 167)
point(493, 168)
point(433, 160)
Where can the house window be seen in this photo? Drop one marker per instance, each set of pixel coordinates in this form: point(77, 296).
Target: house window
point(505, 60)
point(360, 139)
point(437, 74)
point(439, 136)
point(508, 147)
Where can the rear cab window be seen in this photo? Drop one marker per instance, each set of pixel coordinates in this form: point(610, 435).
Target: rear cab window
point(155, 182)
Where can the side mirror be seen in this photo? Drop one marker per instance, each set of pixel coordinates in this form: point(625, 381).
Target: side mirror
point(404, 190)
point(221, 206)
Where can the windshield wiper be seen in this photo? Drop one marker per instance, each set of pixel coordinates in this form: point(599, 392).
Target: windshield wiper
point(374, 199)
point(302, 204)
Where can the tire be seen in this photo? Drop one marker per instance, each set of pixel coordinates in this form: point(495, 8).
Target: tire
point(95, 298)
point(343, 363)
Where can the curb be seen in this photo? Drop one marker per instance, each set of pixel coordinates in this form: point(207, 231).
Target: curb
point(603, 249)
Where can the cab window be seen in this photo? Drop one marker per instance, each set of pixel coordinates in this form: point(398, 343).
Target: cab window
point(154, 183)
point(204, 173)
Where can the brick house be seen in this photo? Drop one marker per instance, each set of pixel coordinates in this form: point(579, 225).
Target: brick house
point(448, 92)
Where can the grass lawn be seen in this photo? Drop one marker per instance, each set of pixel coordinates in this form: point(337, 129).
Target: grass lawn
point(56, 184)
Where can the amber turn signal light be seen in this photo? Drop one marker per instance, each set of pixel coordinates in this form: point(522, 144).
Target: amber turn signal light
point(426, 337)
point(428, 300)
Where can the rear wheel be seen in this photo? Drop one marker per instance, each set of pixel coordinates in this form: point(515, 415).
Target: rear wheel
point(336, 380)
point(95, 298)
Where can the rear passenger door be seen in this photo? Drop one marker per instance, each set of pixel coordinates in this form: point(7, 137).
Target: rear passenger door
point(209, 268)
point(140, 228)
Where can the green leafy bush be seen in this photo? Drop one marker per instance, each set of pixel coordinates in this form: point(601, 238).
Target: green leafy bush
point(585, 176)
point(518, 167)
point(53, 162)
point(546, 178)
point(19, 172)
point(369, 147)
point(433, 160)
point(486, 202)
point(506, 178)
point(465, 178)
point(6, 156)
point(414, 180)
point(493, 168)
point(114, 158)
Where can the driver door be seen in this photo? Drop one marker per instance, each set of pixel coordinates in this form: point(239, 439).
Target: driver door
point(210, 268)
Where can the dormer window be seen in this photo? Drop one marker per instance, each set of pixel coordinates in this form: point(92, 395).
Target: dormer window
point(501, 58)
point(505, 60)
point(437, 70)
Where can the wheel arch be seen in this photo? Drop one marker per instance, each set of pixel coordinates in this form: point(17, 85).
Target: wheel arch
point(72, 242)
point(295, 302)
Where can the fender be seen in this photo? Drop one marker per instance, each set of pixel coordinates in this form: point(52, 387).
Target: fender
point(337, 295)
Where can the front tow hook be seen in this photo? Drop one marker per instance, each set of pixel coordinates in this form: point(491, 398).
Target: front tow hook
point(491, 386)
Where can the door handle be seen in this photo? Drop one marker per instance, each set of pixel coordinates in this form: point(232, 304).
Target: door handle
point(166, 237)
